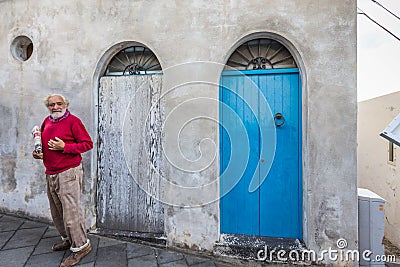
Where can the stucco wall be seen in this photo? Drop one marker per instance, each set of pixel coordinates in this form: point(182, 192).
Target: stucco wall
point(375, 171)
point(70, 38)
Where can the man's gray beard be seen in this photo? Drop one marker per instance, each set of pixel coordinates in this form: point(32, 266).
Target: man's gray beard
point(57, 115)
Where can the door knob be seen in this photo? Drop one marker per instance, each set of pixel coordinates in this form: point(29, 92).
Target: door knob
point(279, 119)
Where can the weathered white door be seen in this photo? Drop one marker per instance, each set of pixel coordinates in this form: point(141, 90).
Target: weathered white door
point(130, 165)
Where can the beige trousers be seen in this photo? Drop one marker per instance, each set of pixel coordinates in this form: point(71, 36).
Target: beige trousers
point(64, 191)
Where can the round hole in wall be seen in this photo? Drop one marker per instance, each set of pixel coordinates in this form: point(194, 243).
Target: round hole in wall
point(22, 48)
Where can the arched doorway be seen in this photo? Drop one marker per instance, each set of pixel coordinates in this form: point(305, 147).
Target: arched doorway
point(274, 207)
point(129, 144)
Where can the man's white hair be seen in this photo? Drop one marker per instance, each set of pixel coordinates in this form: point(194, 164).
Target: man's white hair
point(46, 99)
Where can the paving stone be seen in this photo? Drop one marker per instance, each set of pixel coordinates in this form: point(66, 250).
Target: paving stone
point(10, 225)
point(105, 242)
point(148, 261)
point(31, 224)
point(19, 250)
point(7, 218)
point(45, 245)
point(191, 260)
point(89, 264)
point(180, 263)
point(167, 256)
point(25, 237)
point(15, 257)
point(136, 250)
point(47, 259)
point(51, 232)
point(222, 264)
point(4, 237)
point(208, 263)
point(111, 256)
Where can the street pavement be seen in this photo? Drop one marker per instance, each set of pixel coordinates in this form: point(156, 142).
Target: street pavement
point(28, 243)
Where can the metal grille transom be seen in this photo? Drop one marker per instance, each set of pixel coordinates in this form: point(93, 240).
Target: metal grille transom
point(134, 60)
point(261, 54)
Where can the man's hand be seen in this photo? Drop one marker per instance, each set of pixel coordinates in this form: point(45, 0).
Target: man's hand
point(37, 155)
point(57, 144)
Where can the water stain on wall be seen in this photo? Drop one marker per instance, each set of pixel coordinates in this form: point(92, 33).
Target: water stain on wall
point(7, 172)
point(8, 154)
point(37, 187)
point(327, 221)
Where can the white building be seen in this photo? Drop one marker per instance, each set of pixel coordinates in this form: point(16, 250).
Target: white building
point(166, 169)
point(378, 158)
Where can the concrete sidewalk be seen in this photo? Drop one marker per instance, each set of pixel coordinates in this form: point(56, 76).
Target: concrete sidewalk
point(28, 243)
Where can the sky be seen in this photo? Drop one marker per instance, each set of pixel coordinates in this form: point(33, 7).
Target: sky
point(378, 53)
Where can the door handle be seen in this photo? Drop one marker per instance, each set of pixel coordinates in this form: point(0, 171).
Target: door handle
point(279, 119)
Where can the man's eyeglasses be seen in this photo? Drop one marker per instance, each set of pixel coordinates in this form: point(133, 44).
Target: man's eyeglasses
point(57, 103)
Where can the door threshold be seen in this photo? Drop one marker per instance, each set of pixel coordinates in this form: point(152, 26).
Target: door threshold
point(153, 238)
point(260, 248)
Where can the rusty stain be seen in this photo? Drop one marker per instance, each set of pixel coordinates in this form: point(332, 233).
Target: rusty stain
point(186, 234)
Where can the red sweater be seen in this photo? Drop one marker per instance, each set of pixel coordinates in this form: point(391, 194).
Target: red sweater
point(77, 140)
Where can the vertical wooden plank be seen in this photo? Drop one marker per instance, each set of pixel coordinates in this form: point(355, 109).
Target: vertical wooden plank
point(300, 156)
point(296, 101)
point(130, 90)
point(149, 158)
point(289, 156)
point(229, 223)
point(226, 210)
point(252, 95)
point(290, 134)
point(245, 201)
point(268, 189)
point(239, 208)
point(223, 144)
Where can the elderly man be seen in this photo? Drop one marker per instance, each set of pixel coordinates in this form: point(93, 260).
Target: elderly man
point(64, 138)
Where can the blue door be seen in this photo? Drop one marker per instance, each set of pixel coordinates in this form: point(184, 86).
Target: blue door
point(274, 208)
